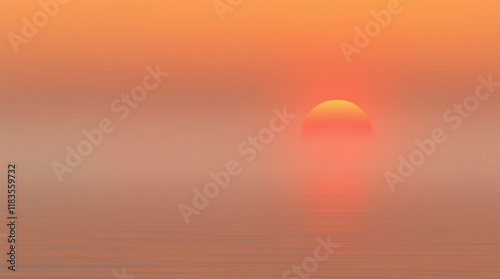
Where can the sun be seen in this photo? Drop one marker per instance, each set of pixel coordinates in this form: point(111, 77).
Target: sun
point(337, 120)
point(337, 139)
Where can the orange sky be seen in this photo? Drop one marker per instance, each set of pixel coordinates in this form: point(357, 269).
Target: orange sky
point(225, 79)
point(265, 54)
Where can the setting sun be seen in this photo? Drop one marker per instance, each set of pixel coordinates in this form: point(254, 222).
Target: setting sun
point(336, 120)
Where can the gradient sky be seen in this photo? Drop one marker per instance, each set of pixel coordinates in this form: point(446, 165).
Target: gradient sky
point(225, 79)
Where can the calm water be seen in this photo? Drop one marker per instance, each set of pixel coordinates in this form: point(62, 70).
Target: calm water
point(260, 230)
